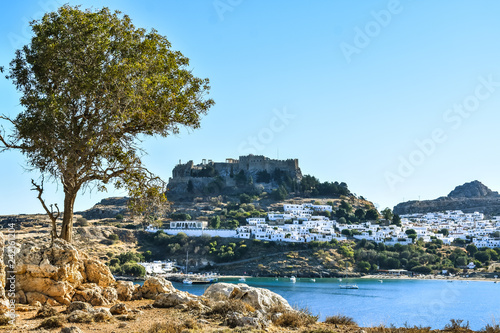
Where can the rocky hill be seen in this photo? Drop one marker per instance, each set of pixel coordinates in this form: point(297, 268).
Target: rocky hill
point(469, 197)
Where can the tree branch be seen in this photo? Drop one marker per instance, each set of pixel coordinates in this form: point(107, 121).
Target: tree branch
point(53, 216)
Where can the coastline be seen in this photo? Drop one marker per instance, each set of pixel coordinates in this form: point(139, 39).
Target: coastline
point(428, 277)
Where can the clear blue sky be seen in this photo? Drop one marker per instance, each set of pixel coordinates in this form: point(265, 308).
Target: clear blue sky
point(399, 99)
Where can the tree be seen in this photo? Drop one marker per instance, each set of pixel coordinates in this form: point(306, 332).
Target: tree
point(471, 249)
point(215, 222)
point(372, 214)
point(360, 214)
point(92, 85)
point(444, 231)
point(387, 214)
point(396, 219)
point(190, 186)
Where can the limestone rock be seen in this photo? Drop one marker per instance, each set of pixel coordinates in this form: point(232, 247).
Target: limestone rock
point(95, 295)
point(72, 329)
point(154, 286)
point(46, 273)
point(101, 314)
point(168, 300)
point(236, 319)
point(79, 316)
point(77, 305)
point(125, 290)
point(118, 309)
point(259, 298)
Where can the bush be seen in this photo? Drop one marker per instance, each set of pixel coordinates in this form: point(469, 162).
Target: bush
point(46, 311)
point(113, 237)
point(340, 320)
point(295, 319)
point(82, 222)
point(422, 269)
point(52, 322)
point(456, 325)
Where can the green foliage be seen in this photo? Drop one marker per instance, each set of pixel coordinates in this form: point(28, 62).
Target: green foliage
point(422, 269)
point(92, 85)
point(245, 198)
point(180, 217)
point(482, 256)
point(263, 177)
point(372, 215)
point(279, 194)
point(133, 269)
point(471, 249)
point(215, 222)
point(387, 214)
point(364, 266)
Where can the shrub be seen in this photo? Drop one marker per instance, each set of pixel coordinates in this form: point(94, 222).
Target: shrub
point(52, 322)
point(295, 319)
point(456, 325)
point(46, 311)
point(340, 320)
point(5, 320)
point(82, 222)
point(113, 237)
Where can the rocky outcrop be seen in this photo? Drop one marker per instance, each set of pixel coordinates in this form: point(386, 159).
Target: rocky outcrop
point(258, 298)
point(60, 273)
point(172, 299)
point(152, 287)
point(470, 197)
point(107, 208)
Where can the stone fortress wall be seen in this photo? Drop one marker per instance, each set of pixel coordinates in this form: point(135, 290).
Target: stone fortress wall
point(250, 164)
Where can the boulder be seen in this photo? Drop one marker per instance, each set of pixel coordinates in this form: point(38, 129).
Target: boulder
point(101, 314)
point(235, 319)
point(72, 329)
point(168, 300)
point(154, 286)
point(125, 290)
point(4, 301)
point(76, 305)
point(57, 272)
point(95, 295)
point(118, 309)
point(79, 316)
point(259, 298)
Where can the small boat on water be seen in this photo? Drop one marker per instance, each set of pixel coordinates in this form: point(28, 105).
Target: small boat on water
point(347, 285)
point(293, 279)
point(381, 281)
point(242, 279)
point(313, 280)
point(187, 281)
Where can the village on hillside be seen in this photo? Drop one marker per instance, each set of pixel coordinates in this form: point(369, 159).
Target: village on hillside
point(303, 223)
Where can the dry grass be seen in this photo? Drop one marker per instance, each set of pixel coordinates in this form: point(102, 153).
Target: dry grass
point(173, 327)
point(222, 308)
point(294, 318)
point(340, 320)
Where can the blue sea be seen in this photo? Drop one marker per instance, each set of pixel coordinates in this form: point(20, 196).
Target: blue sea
point(394, 302)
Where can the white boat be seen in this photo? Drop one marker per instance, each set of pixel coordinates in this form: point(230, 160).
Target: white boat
point(347, 285)
point(381, 281)
point(293, 279)
point(242, 279)
point(187, 281)
point(313, 280)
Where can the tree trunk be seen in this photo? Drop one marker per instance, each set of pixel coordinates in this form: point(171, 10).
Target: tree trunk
point(67, 224)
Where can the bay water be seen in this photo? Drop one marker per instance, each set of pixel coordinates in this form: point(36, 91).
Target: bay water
point(397, 302)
